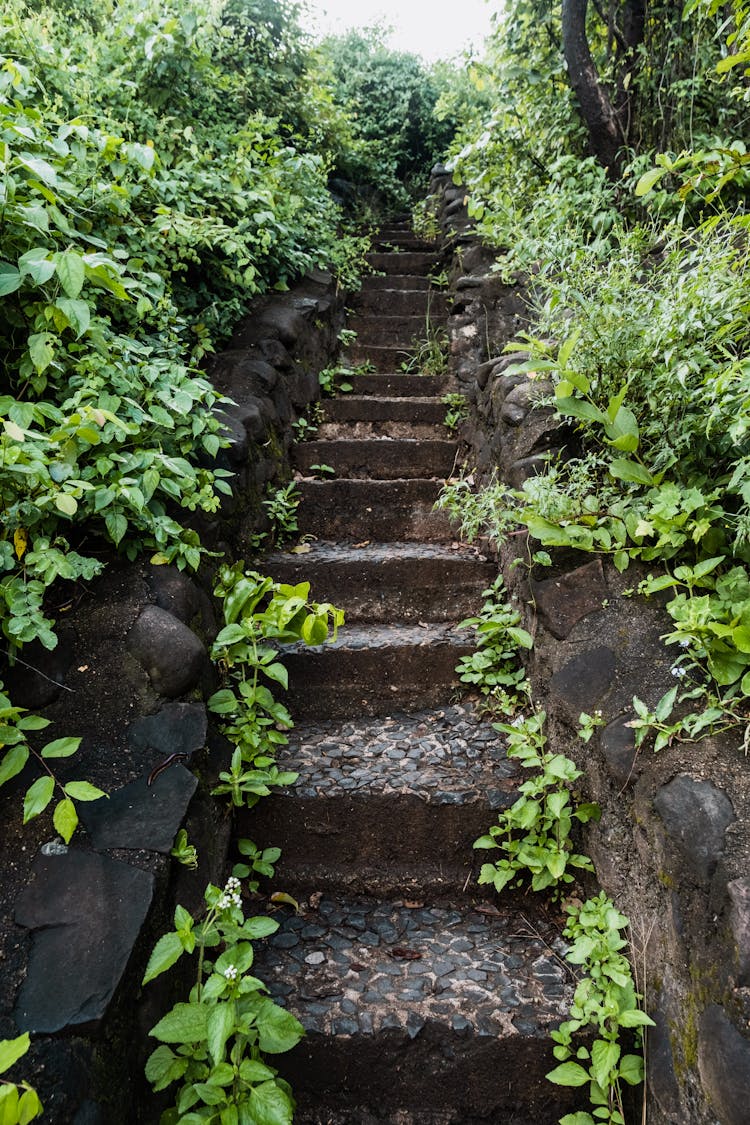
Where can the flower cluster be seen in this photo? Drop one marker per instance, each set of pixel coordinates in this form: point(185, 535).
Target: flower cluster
point(231, 896)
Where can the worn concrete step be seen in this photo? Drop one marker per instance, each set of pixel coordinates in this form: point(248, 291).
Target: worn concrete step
point(418, 262)
point(367, 408)
point(373, 797)
point(353, 510)
point(402, 281)
point(377, 458)
point(401, 302)
point(383, 582)
point(386, 428)
point(392, 331)
point(375, 669)
point(412, 1008)
point(399, 385)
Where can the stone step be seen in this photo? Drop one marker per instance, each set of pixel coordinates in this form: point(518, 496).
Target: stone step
point(384, 385)
point(353, 510)
point(377, 357)
point(401, 281)
point(368, 431)
point(367, 408)
point(377, 458)
point(392, 331)
point(414, 1009)
point(383, 582)
point(375, 669)
point(417, 262)
point(401, 302)
point(373, 798)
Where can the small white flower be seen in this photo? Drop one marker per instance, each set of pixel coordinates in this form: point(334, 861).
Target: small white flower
point(230, 972)
point(678, 672)
point(684, 643)
point(518, 721)
point(223, 903)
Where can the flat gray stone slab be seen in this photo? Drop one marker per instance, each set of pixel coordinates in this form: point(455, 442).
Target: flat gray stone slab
point(86, 911)
point(139, 815)
point(696, 814)
point(354, 966)
point(177, 728)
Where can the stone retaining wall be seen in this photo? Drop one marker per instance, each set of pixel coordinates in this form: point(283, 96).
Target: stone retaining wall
point(130, 675)
point(673, 844)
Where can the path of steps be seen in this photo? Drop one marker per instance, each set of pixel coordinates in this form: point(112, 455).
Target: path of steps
point(424, 1004)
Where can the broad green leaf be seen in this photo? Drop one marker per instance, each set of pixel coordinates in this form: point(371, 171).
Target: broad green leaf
point(631, 1069)
point(260, 927)
point(40, 350)
point(164, 1067)
point(10, 278)
point(604, 1058)
point(623, 469)
point(66, 503)
point(278, 1030)
point(77, 313)
point(252, 1070)
point(166, 952)
point(83, 791)
point(36, 265)
point(648, 181)
point(221, 1024)
point(38, 796)
point(71, 272)
point(568, 1074)
point(29, 1107)
point(13, 431)
point(269, 1105)
point(65, 819)
point(278, 673)
point(11, 1050)
point(186, 1023)
point(634, 1018)
point(117, 525)
point(61, 747)
point(39, 168)
point(580, 408)
point(8, 1104)
point(579, 1118)
point(623, 432)
point(314, 630)
point(13, 763)
point(741, 637)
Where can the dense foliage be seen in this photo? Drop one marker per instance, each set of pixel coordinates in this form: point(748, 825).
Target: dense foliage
point(639, 307)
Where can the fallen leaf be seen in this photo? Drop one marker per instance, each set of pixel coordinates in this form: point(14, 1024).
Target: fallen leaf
point(302, 549)
point(401, 954)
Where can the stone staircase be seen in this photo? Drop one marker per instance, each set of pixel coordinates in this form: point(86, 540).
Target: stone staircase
point(423, 1003)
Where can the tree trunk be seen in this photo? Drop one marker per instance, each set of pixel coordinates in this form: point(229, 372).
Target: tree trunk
point(605, 136)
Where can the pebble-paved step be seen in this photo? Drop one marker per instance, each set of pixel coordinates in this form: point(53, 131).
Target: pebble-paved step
point(406, 262)
point(369, 408)
point(401, 302)
point(379, 458)
point(394, 281)
point(405, 795)
point(429, 1005)
point(389, 581)
point(380, 510)
point(395, 330)
point(374, 669)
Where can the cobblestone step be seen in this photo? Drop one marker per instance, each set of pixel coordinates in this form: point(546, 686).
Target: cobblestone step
point(395, 330)
point(379, 458)
point(369, 408)
point(375, 669)
point(413, 1008)
point(390, 510)
point(389, 582)
point(375, 797)
point(416, 262)
point(401, 302)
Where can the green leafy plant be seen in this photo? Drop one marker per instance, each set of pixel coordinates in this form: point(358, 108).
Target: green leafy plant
point(15, 727)
point(478, 512)
point(457, 412)
point(336, 380)
point(215, 1044)
point(535, 832)
point(19, 1103)
point(261, 617)
point(322, 471)
point(493, 667)
point(606, 1001)
point(429, 356)
point(281, 506)
point(183, 851)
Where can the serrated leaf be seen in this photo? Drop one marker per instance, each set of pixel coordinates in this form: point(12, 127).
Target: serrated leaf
point(165, 953)
point(631, 1069)
point(634, 1017)
point(604, 1058)
point(65, 819)
point(220, 1025)
point(164, 1067)
point(186, 1023)
point(38, 796)
point(77, 313)
point(116, 525)
point(278, 1030)
point(10, 278)
point(71, 272)
point(568, 1074)
point(269, 1105)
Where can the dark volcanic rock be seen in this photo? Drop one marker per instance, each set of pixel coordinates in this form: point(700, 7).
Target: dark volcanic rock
point(739, 893)
point(562, 602)
point(168, 651)
point(86, 912)
point(696, 816)
point(141, 816)
point(617, 741)
point(724, 1063)
point(585, 680)
point(177, 728)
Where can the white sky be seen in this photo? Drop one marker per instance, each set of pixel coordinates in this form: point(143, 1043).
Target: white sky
point(434, 29)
